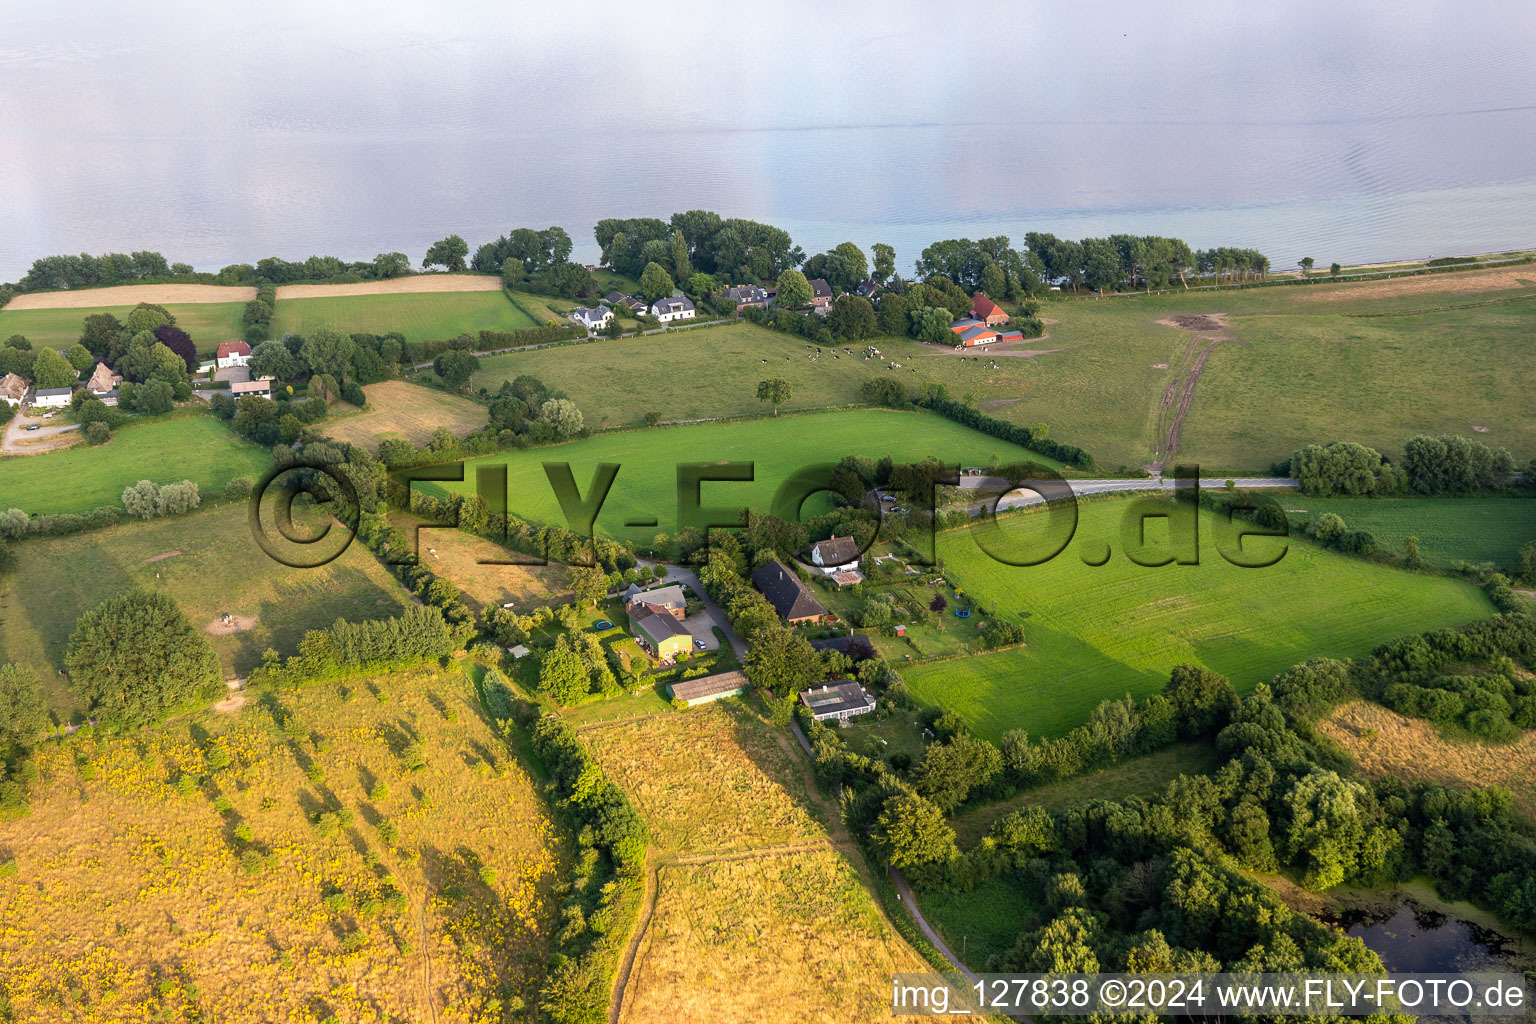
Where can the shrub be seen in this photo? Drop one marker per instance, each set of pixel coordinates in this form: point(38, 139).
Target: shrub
point(328, 825)
point(252, 862)
point(97, 433)
point(378, 791)
point(244, 834)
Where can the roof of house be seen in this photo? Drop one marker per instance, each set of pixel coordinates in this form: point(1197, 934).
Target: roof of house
point(843, 695)
point(658, 628)
point(867, 287)
point(983, 306)
point(12, 386)
point(246, 387)
point(709, 686)
point(615, 297)
point(102, 378)
point(819, 288)
point(661, 597)
point(590, 313)
point(231, 348)
point(52, 392)
point(855, 645)
point(964, 322)
point(673, 304)
point(746, 293)
point(835, 551)
point(977, 334)
point(783, 589)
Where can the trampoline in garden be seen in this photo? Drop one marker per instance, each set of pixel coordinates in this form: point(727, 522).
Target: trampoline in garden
point(962, 613)
point(602, 624)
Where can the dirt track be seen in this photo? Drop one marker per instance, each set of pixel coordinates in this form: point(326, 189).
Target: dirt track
point(393, 286)
point(131, 294)
point(1179, 395)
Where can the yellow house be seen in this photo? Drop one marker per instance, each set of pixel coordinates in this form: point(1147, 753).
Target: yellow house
point(662, 636)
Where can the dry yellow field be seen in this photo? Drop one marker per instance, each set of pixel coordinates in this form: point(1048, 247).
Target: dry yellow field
point(755, 910)
point(134, 901)
point(1459, 283)
point(132, 294)
point(394, 286)
point(1386, 743)
point(409, 411)
point(458, 557)
point(793, 937)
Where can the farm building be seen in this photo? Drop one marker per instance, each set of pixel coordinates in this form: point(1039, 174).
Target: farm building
point(987, 311)
point(661, 601)
point(661, 636)
point(707, 688)
point(789, 597)
point(840, 700)
point(964, 324)
point(232, 353)
point(977, 336)
point(835, 555)
point(593, 318)
point(52, 398)
point(13, 389)
point(676, 307)
point(240, 389)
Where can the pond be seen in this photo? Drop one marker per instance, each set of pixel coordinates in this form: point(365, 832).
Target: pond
point(1413, 934)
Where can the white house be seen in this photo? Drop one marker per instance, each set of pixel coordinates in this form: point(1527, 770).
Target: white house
point(593, 318)
point(52, 398)
point(232, 353)
point(676, 307)
point(835, 555)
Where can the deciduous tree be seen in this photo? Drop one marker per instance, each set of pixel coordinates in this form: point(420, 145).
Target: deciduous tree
point(136, 658)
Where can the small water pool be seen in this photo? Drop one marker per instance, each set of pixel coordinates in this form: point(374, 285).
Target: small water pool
point(602, 624)
point(962, 613)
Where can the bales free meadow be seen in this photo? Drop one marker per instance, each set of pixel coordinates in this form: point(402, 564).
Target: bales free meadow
point(421, 316)
point(209, 323)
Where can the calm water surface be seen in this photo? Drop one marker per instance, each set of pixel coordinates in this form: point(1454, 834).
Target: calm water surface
point(218, 134)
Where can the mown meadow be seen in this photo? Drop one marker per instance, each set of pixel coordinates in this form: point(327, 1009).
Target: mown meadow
point(420, 316)
point(207, 322)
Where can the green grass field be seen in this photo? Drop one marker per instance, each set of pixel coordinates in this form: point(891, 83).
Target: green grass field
point(194, 447)
point(209, 562)
point(1303, 365)
point(646, 486)
point(207, 322)
point(1449, 529)
point(1097, 633)
point(420, 316)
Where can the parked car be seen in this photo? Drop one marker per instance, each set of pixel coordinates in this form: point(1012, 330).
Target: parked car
point(700, 644)
point(34, 426)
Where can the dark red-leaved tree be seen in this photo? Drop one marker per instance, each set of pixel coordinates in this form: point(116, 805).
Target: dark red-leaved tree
point(180, 342)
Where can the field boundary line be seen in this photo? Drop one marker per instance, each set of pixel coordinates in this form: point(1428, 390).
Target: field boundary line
point(636, 938)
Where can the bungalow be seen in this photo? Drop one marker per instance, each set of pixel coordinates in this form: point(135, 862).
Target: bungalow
point(867, 288)
point(747, 295)
point(628, 302)
point(977, 336)
point(662, 601)
point(13, 389)
point(261, 388)
point(821, 292)
point(103, 381)
point(839, 554)
point(662, 636)
point(856, 646)
point(232, 353)
point(989, 312)
point(707, 688)
point(789, 597)
point(593, 318)
point(840, 700)
point(675, 307)
point(52, 398)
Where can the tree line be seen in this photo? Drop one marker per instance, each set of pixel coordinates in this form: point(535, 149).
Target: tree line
point(1431, 465)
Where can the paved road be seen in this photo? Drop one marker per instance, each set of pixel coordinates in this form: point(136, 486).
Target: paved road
point(600, 336)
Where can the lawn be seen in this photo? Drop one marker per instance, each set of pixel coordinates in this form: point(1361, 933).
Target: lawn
point(131, 903)
point(1102, 632)
point(195, 447)
point(1450, 530)
point(410, 411)
point(646, 486)
point(470, 562)
point(420, 316)
point(207, 322)
point(213, 566)
point(979, 922)
point(1301, 366)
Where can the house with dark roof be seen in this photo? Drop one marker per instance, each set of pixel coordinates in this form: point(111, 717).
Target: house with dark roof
point(1010, 335)
point(789, 597)
point(965, 324)
point(660, 635)
point(747, 295)
point(867, 288)
point(593, 318)
point(673, 307)
point(841, 700)
point(629, 302)
point(987, 311)
point(232, 353)
point(838, 554)
point(821, 292)
point(855, 645)
point(707, 688)
point(52, 398)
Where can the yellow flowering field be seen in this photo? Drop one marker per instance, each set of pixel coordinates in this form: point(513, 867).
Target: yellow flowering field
point(367, 852)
